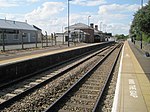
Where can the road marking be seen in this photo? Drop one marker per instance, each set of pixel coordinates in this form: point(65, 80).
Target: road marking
point(132, 88)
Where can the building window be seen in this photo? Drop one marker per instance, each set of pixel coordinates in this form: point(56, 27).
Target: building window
point(24, 34)
point(1, 37)
point(16, 37)
point(33, 35)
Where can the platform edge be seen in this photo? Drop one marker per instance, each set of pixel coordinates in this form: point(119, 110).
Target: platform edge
point(116, 97)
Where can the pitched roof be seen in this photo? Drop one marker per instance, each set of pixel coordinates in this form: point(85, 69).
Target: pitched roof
point(9, 24)
point(37, 28)
point(78, 26)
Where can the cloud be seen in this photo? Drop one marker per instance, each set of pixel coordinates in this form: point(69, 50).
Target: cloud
point(47, 10)
point(33, 1)
point(4, 3)
point(49, 15)
point(117, 8)
point(119, 16)
point(120, 28)
point(88, 2)
point(14, 3)
point(45, 16)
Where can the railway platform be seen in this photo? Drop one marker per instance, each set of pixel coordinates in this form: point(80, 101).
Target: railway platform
point(133, 85)
point(14, 55)
point(18, 56)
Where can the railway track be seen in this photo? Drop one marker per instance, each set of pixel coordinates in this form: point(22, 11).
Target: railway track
point(63, 63)
point(85, 94)
point(55, 78)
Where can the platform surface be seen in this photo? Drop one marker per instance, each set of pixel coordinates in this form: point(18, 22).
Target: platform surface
point(133, 84)
point(17, 58)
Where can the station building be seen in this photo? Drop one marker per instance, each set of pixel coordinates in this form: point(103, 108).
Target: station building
point(85, 33)
point(15, 32)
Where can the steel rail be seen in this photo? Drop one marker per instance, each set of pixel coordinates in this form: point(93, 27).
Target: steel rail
point(54, 107)
point(95, 109)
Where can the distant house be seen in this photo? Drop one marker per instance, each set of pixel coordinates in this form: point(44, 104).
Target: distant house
point(15, 32)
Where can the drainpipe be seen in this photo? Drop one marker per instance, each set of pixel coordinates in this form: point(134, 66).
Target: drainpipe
point(36, 39)
point(3, 41)
point(22, 40)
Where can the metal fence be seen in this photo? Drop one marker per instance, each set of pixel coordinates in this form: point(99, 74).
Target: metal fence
point(145, 46)
point(29, 45)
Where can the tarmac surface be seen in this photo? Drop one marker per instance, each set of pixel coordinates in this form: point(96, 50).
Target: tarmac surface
point(142, 59)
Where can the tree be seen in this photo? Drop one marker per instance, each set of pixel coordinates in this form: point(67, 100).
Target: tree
point(144, 19)
point(141, 23)
point(121, 36)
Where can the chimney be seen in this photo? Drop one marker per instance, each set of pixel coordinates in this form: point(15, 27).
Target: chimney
point(26, 21)
point(92, 25)
point(96, 27)
point(5, 19)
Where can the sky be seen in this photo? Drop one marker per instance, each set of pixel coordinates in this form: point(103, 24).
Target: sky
point(113, 16)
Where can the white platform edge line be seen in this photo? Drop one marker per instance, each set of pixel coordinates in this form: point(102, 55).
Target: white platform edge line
point(115, 102)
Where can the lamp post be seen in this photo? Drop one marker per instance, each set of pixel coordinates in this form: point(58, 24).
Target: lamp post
point(88, 19)
point(101, 26)
point(68, 22)
point(141, 31)
point(142, 3)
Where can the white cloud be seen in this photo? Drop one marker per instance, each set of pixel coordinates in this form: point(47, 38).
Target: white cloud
point(14, 3)
point(120, 28)
point(45, 16)
point(116, 8)
point(47, 10)
point(117, 15)
point(4, 3)
point(33, 1)
point(88, 2)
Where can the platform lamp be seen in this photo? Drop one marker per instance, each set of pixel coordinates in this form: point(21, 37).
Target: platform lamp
point(141, 31)
point(101, 26)
point(68, 21)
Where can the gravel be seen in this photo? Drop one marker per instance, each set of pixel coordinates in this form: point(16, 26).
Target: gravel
point(84, 98)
